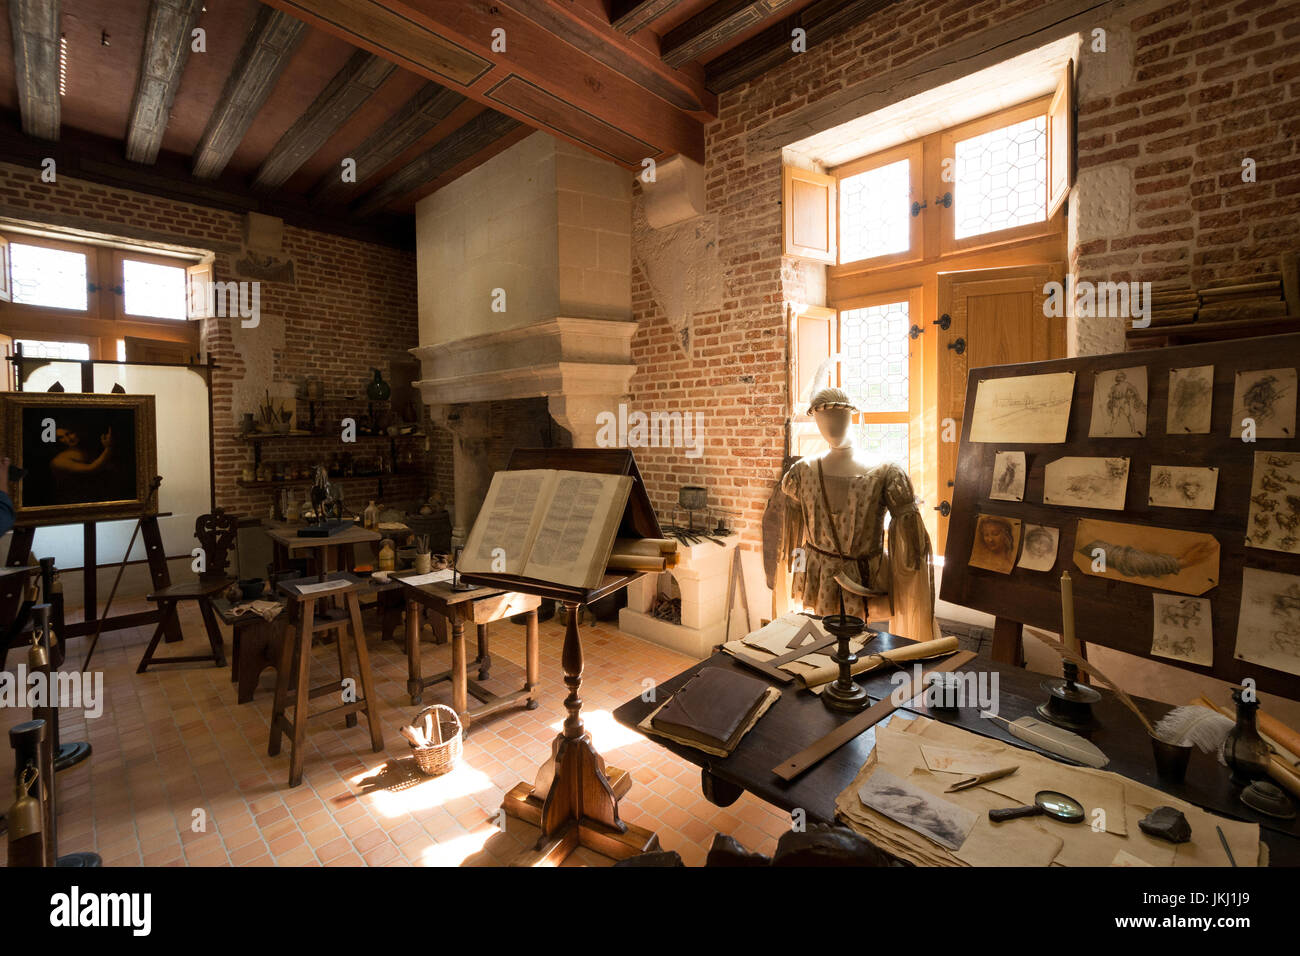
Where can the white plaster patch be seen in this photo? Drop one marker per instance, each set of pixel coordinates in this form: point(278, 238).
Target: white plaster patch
point(1105, 202)
point(683, 267)
point(256, 347)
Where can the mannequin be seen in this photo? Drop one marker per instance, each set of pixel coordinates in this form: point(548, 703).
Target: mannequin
point(835, 519)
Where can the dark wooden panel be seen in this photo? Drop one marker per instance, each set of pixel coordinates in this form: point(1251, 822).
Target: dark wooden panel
point(1116, 613)
point(347, 91)
point(629, 16)
point(166, 49)
point(34, 27)
point(715, 26)
point(264, 56)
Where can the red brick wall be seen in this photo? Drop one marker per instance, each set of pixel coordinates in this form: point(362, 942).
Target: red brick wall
point(353, 307)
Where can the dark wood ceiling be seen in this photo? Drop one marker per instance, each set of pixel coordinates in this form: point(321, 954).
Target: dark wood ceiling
point(416, 92)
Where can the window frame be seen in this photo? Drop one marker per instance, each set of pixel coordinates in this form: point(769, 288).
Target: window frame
point(913, 152)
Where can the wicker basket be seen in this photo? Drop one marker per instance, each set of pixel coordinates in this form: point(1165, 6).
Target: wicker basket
point(440, 757)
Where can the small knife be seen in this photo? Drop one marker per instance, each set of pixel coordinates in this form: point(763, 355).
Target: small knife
point(979, 778)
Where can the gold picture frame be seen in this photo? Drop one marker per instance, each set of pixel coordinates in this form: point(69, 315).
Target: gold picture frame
point(89, 456)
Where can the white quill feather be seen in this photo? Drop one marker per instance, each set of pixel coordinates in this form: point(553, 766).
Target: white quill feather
point(1205, 728)
point(1055, 740)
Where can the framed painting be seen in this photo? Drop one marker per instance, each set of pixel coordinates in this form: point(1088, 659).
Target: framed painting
point(88, 456)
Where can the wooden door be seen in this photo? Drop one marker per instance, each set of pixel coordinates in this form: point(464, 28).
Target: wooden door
point(995, 318)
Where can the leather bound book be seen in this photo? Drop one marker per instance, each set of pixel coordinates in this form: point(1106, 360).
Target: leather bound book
point(712, 708)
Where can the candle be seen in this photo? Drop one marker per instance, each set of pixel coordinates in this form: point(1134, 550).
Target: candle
point(1067, 613)
point(841, 604)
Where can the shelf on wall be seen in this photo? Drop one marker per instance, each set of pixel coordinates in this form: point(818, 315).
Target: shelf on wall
point(275, 436)
point(283, 482)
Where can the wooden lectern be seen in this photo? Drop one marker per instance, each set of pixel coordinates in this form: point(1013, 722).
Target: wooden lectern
point(574, 799)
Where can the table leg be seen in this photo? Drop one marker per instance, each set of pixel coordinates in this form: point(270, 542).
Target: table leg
point(533, 657)
point(459, 675)
point(414, 682)
point(302, 696)
point(484, 654)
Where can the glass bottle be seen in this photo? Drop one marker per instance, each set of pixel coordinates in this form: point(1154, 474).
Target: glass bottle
point(1244, 750)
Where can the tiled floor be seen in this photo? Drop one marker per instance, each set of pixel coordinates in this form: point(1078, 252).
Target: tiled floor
point(180, 774)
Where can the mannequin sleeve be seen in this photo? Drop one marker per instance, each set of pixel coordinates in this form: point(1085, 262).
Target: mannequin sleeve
point(792, 527)
point(911, 561)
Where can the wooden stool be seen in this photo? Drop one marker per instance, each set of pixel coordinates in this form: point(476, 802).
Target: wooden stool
point(295, 660)
point(167, 598)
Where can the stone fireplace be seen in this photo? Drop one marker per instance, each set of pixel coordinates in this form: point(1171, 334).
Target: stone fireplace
point(700, 578)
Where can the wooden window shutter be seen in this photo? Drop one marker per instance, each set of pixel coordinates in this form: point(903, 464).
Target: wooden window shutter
point(808, 202)
point(812, 342)
point(1060, 142)
point(5, 294)
point(198, 278)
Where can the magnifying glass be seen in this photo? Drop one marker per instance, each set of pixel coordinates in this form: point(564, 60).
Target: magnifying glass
point(1049, 803)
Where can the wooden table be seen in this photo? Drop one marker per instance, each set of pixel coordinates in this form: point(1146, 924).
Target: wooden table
point(325, 552)
point(799, 719)
point(480, 607)
point(255, 645)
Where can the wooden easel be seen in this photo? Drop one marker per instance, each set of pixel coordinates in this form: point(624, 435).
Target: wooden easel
point(574, 798)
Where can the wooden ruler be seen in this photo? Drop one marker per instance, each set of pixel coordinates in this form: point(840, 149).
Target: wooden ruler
point(873, 715)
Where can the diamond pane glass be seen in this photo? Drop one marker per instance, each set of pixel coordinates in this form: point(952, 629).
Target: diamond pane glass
point(49, 277)
point(874, 344)
point(1001, 178)
point(882, 443)
point(37, 348)
point(153, 290)
point(875, 213)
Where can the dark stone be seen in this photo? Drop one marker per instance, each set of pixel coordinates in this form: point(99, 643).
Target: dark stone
point(1167, 824)
point(726, 851)
point(653, 858)
point(825, 844)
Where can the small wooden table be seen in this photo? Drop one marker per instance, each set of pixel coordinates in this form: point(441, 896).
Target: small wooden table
point(255, 645)
point(326, 552)
point(480, 606)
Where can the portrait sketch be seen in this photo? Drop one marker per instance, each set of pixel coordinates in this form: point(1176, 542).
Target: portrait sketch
point(1119, 403)
point(1008, 476)
point(997, 541)
point(931, 816)
point(1024, 409)
point(1039, 550)
point(1182, 629)
point(1086, 483)
point(1273, 521)
point(1268, 398)
point(1175, 486)
point(1191, 400)
point(1165, 558)
point(1268, 626)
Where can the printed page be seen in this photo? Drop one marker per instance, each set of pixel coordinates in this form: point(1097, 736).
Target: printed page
point(508, 520)
point(577, 532)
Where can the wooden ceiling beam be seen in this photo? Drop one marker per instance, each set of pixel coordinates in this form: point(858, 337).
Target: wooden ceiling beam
point(471, 139)
point(265, 54)
point(417, 116)
point(351, 86)
point(715, 26)
point(767, 50)
point(629, 16)
point(166, 48)
point(34, 26)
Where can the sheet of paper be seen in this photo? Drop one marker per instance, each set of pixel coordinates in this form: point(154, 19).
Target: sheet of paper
point(964, 762)
point(1165, 558)
point(1008, 476)
point(1176, 486)
point(775, 636)
point(433, 577)
point(1267, 399)
point(1040, 547)
point(1119, 403)
point(1274, 518)
point(1182, 629)
point(1268, 626)
point(321, 586)
point(1027, 409)
point(1086, 483)
point(1191, 399)
point(939, 820)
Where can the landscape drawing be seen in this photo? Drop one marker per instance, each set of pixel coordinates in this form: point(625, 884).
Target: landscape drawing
point(1178, 486)
point(1008, 476)
point(1268, 627)
point(1273, 521)
point(1182, 629)
point(1164, 558)
point(1191, 400)
point(933, 817)
point(1119, 403)
point(1026, 409)
point(1086, 483)
point(1038, 552)
point(1268, 398)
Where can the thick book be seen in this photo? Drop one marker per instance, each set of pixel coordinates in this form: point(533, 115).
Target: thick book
point(713, 708)
point(548, 525)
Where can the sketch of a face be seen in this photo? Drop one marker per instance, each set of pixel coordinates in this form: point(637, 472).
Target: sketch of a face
point(1190, 488)
point(996, 536)
point(1039, 543)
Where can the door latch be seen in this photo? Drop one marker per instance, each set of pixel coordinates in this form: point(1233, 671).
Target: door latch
point(915, 332)
point(917, 207)
point(944, 508)
point(944, 321)
point(945, 200)
point(958, 346)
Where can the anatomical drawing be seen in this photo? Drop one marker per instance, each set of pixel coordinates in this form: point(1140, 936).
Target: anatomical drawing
point(1182, 629)
point(1023, 409)
point(1165, 558)
point(1086, 483)
point(1176, 486)
point(1119, 403)
point(1274, 517)
point(1191, 398)
point(1266, 397)
point(1008, 476)
point(1268, 627)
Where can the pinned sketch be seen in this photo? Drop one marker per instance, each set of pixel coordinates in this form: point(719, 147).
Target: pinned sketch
point(1266, 397)
point(1039, 551)
point(997, 540)
point(1183, 629)
point(1027, 409)
point(1119, 403)
point(1268, 628)
point(1191, 399)
point(1273, 521)
point(1008, 476)
point(1175, 486)
point(1086, 483)
point(942, 821)
point(1182, 561)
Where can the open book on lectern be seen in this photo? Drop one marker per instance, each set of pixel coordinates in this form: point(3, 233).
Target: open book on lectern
point(553, 526)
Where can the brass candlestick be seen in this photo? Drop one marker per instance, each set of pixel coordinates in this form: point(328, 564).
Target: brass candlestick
point(844, 693)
